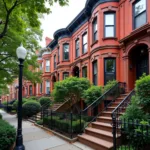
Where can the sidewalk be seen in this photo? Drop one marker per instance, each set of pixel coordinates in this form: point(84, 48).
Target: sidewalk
point(35, 138)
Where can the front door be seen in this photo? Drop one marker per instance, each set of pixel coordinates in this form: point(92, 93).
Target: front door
point(142, 67)
point(109, 69)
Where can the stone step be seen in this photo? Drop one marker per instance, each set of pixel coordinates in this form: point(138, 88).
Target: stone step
point(102, 134)
point(115, 104)
point(94, 142)
point(102, 126)
point(104, 119)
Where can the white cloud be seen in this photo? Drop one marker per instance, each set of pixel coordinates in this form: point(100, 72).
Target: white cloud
point(60, 18)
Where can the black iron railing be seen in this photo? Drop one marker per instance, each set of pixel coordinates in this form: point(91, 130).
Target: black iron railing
point(93, 110)
point(133, 135)
point(119, 110)
point(67, 124)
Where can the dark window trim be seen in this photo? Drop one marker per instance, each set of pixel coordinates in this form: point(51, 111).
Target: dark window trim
point(77, 49)
point(58, 54)
point(65, 73)
point(110, 12)
point(105, 66)
point(68, 51)
point(96, 31)
point(133, 12)
point(93, 63)
point(55, 63)
point(85, 43)
point(83, 70)
point(30, 90)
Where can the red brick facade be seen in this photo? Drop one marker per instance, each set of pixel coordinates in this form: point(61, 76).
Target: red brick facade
point(118, 45)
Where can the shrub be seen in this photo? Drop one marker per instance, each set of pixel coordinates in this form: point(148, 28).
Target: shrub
point(4, 103)
point(31, 108)
point(142, 88)
point(45, 101)
point(134, 112)
point(109, 85)
point(7, 135)
point(92, 94)
point(63, 125)
point(40, 122)
point(1, 116)
point(15, 104)
point(33, 98)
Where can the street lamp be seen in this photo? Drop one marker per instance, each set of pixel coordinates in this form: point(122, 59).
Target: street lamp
point(21, 54)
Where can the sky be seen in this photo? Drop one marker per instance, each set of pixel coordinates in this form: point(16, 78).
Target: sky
point(60, 18)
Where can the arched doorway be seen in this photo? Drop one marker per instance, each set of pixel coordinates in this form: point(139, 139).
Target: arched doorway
point(138, 63)
point(76, 71)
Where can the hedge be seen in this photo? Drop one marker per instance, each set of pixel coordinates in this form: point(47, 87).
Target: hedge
point(30, 108)
point(45, 101)
point(15, 104)
point(7, 135)
point(63, 125)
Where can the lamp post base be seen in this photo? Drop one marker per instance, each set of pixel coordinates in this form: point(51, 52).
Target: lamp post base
point(21, 147)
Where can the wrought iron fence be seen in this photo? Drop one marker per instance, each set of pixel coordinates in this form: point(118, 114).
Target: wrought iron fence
point(117, 112)
point(131, 135)
point(67, 124)
point(93, 111)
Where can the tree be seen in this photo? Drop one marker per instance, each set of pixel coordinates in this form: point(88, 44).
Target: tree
point(92, 94)
point(19, 23)
point(70, 89)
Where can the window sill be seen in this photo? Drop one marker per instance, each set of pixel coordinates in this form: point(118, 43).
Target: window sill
point(110, 38)
point(65, 60)
point(84, 54)
point(94, 43)
point(77, 58)
point(47, 71)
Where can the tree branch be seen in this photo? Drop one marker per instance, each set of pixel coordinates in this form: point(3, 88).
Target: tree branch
point(5, 5)
point(7, 19)
point(4, 58)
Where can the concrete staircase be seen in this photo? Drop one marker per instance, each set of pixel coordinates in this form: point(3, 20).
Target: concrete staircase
point(99, 135)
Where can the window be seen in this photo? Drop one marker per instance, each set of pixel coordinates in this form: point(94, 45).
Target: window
point(41, 67)
point(54, 61)
point(84, 44)
point(47, 65)
point(77, 48)
point(30, 89)
point(58, 55)
point(84, 72)
point(65, 75)
point(94, 26)
point(47, 87)
point(110, 69)
point(58, 76)
point(41, 86)
point(139, 13)
point(110, 24)
point(95, 72)
point(66, 51)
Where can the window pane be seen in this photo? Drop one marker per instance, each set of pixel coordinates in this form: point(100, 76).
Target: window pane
point(65, 75)
point(140, 7)
point(85, 48)
point(47, 62)
point(109, 19)
point(110, 65)
point(66, 51)
point(140, 20)
point(84, 72)
point(85, 38)
point(109, 31)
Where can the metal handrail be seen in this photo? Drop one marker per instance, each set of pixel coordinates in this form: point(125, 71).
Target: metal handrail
point(131, 93)
point(102, 96)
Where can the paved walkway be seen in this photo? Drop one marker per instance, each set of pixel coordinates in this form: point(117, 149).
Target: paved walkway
point(37, 139)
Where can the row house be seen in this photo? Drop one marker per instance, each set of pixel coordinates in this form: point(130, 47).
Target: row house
point(107, 40)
